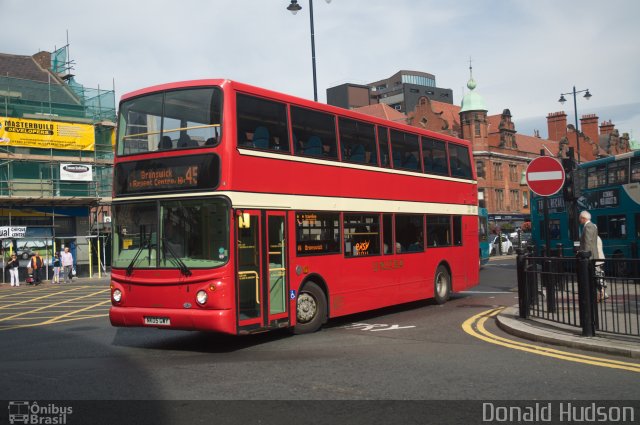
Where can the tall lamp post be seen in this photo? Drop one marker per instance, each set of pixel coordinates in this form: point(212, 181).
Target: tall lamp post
point(562, 99)
point(294, 8)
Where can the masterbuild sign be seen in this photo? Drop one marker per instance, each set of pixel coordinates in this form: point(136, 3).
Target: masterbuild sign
point(46, 134)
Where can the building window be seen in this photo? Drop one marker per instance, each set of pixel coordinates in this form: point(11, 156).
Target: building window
point(477, 128)
point(515, 197)
point(513, 172)
point(499, 199)
point(497, 170)
point(525, 199)
point(480, 168)
point(482, 198)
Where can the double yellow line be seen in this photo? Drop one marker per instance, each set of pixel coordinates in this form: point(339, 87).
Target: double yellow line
point(475, 326)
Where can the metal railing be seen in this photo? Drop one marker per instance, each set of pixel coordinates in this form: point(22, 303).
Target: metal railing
point(595, 295)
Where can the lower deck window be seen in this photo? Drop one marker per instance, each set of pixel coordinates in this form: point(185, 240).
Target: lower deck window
point(361, 235)
point(317, 233)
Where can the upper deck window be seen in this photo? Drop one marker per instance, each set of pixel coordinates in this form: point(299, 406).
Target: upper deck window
point(435, 156)
point(405, 151)
point(314, 133)
point(178, 119)
point(459, 161)
point(358, 142)
point(617, 172)
point(262, 124)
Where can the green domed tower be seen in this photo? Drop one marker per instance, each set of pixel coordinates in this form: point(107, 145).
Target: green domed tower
point(473, 117)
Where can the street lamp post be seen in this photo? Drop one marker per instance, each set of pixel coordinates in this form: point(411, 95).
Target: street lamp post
point(562, 99)
point(294, 8)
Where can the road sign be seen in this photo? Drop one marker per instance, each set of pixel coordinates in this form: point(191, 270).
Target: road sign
point(545, 176)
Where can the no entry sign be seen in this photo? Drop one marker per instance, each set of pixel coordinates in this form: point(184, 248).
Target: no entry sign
point(545, 176)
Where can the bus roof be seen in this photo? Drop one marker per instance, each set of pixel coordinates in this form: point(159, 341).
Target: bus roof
point(289, 99)
point(608, 159)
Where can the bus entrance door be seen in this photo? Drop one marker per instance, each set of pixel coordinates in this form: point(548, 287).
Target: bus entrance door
point(262, 267)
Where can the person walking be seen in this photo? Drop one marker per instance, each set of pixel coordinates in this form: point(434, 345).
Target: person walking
point(67, 264)
point(589, 236)
point(13, 266)
point(36, 266)
point(57, 264)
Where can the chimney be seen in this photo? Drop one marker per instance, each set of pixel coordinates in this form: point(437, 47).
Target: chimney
point(557, 125)
point(43, 59)
point(589, 126)
point(606, 127)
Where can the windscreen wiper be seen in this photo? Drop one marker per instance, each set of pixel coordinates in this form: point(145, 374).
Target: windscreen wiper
point(181, 265)
point(144, 243)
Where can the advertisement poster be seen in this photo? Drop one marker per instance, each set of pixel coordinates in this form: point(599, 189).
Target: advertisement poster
point(20, 132)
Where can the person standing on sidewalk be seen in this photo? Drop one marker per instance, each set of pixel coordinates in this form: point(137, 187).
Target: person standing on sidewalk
point(67, 264)
point(56, 268)
point(36, 265)
point(589, 236)
point(13, 266)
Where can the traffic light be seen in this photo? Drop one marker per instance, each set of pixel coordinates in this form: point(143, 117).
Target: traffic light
point(569, 166)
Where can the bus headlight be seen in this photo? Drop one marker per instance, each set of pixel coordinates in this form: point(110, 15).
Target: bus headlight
point(117, 295)
point(201, 297)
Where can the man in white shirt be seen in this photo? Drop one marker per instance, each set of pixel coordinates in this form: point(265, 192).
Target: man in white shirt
point(67, 264)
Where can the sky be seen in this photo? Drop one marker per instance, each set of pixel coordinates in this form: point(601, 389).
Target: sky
point(524, 53)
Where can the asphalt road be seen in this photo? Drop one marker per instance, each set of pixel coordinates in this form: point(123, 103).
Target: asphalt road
point(411, 352)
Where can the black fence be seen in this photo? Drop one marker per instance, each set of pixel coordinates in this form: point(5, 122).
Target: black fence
point(595, 295)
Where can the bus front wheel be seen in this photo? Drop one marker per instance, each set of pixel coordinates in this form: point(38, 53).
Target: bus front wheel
point(442, 285)
point(311, 309)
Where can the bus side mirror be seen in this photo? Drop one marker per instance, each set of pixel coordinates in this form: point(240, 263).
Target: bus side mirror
point(244, 221)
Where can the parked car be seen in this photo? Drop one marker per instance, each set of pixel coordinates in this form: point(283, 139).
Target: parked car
point(506, 245)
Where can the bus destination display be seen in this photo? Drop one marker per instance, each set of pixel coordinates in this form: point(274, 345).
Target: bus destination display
point(185, 173)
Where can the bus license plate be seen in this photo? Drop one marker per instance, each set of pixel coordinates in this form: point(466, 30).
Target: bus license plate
point(163, 321)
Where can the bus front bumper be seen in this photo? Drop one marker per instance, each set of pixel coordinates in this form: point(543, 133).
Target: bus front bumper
point(168, 318)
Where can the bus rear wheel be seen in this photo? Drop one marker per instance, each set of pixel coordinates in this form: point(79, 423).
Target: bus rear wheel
point(442, 285)
point(311, 309)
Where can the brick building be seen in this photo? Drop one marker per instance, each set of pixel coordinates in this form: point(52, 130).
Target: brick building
point(501, 154)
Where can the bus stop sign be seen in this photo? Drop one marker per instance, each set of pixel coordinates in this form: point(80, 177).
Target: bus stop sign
point(545, 176)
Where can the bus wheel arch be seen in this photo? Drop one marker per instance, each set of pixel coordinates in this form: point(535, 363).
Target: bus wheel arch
point(312, 306)
point(442, 283)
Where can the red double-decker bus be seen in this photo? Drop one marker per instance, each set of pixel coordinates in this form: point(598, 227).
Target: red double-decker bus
point(237, 209)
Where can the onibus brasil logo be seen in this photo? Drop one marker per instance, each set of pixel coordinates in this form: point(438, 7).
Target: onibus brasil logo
point(25, 412)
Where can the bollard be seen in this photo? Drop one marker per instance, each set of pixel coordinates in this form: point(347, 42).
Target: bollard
point(523, 295)
point(585, 294)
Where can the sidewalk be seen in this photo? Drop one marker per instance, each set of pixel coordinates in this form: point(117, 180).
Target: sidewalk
point(554, 333)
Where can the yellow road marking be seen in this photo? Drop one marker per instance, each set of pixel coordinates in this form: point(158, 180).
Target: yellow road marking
point(39, 298)
point(31, 325)
point(4, 319)
point(474, 326)
point(55, 319)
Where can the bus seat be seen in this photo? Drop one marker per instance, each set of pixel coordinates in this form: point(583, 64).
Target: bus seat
point(261, 138)
point(313, 146)
point(357, 154)
point(439, 166)
point(186, 142)
point(211, 141)
point(397, 162)
point(165, 143)
point(410, 162)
